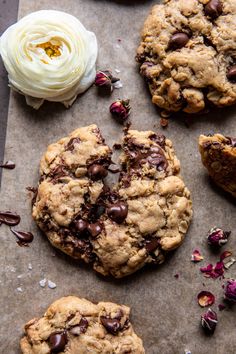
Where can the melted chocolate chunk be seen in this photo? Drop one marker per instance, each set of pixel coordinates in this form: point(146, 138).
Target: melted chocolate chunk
point(95, 229)
point(57, 342)
point(35, 193)
point(231, 75)
point(213, 9)
point(9, 165)
point(112, 325)
point(83, 324)
point(159, 139)
point(178, 40)
point(97, 172)
point(117, 146)
point(118, 212)
point(71, 144)
point(154, 156)
point(9, 218)
point(24, 238)
point(151, 245)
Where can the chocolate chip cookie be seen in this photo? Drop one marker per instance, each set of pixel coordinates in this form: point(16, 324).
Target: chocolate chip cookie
point(219, 157)
point(188, 54)
point(119, 229)
point(78, 326)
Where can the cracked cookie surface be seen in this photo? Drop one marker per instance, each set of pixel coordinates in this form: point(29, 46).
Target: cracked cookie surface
point(120, 229)
point(219, 157)
point(78, 326)
point(188, 54)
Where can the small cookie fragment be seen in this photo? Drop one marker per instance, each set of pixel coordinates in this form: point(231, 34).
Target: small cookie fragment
point(78, 326)
point(219, 157)
point(118, 229)
point(187, 54)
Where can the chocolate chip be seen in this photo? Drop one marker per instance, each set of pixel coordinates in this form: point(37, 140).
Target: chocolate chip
point(83, 324)
point(95, 229)
point(178, 40)
point(9, 165)
point(152, 244)
point(57, 342)
point(9, 218)
point(213, 9)
point(97, 172)
point(118, 212)
point(80, 226)
point(112, 325)
point(24, 238)
point(231, 75)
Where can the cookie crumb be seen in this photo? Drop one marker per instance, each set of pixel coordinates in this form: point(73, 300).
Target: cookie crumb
point(19, 290)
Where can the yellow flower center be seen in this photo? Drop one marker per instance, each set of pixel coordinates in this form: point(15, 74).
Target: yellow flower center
point(51, 50)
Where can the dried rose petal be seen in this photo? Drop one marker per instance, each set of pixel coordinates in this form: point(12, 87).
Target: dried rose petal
point(196, 256)
point(176, 276)
point(120, 109)
point(205, 298)
point(230, 291)
point(209, 321)
point(217, 237)
point(213, 272)
point(225, 254)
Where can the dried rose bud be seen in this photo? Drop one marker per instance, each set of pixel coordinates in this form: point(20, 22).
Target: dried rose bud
point(230, 290)
point(209, 321)
point(205, 298)
point(217, 237)
point(120, 109)
point(104, 79)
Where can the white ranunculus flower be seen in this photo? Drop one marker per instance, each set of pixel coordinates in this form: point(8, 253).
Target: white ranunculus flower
point(49, 55)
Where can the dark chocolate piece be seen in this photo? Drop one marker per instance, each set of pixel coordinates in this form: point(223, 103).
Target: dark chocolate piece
point(95, 229)
point(178, 40)
point(9, 218)
point(97, 172)
point(57, 342)
point(231, 74)
point(112, 325)
point(213, 9)
point(151, 245)
point(118, 212)
point(83, 324)
point(9, 165)
point(24, 238)
point(71, 144)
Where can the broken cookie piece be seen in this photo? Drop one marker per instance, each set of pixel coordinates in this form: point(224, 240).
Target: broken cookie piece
point(219, 157)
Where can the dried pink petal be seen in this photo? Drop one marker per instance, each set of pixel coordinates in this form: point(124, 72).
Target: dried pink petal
point(176, 276)
point(196, 256)
point(213, 272)
point(207, 270)
point(205, 298)
point(230, 291)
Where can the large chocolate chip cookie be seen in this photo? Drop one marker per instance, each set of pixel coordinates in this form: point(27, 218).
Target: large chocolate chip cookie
point(188, 54)
point(118, 230)
point(77, 326)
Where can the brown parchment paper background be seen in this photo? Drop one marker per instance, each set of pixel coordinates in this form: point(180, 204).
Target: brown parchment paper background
point(164, 310)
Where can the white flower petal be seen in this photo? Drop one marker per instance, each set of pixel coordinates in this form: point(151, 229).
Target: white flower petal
point(36, 74)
